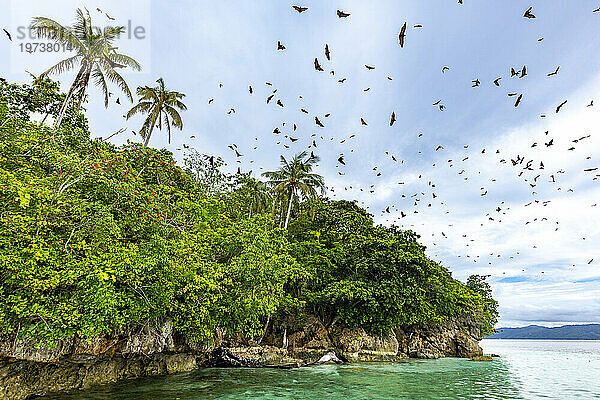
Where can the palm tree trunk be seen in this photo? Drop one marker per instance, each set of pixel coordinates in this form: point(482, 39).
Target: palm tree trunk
point(148, 136)
point(81, 96)
point(280, 213)
point(83, 85)
point(63, 107)
point(148, 156)
point(289, 210)
point(274, 211)
point(45, 116)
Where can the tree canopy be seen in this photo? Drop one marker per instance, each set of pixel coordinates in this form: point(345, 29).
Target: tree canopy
point(96, 238)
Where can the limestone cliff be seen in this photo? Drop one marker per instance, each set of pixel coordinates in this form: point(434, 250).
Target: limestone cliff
point(27, 370)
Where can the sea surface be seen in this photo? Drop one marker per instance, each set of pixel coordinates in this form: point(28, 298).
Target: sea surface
point(526, 369)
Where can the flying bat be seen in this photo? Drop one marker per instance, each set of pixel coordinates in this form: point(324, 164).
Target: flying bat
point(402, 35)
point(528, 13)
point(560, 106)
point(555, 71)
point(318, 66)
point(518, 100)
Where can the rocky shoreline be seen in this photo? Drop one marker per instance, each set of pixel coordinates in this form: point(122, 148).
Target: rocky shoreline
point(28, 371)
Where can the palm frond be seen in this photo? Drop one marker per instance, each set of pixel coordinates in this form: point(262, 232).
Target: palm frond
point(82, 27)
point(147, 93)
point(168, 125)
point(62, 66)
point(148, 124)
point(125, 60)
point(46, 28)
point(116, 78)
point(111, 33)
point(141, 107)
point(100, 81)
point(179, 105)
point(175, 117)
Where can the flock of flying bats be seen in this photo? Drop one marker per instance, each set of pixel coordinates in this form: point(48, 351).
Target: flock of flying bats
point(526, 167)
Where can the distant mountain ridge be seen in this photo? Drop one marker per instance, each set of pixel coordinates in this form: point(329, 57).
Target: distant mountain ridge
point(566, 332)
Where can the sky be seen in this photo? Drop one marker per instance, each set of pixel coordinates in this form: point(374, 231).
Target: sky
point(476, 212)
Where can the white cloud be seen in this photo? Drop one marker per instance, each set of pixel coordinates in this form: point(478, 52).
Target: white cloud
point(529, 245)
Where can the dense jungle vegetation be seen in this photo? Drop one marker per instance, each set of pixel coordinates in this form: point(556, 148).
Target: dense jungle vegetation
point(96, 238)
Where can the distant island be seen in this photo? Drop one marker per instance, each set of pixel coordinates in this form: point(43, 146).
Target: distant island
point(566, 332)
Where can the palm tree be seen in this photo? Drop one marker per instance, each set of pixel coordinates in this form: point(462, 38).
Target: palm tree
point(158, 103)
point(94, 54)
point(294, 180)
point(258, 193)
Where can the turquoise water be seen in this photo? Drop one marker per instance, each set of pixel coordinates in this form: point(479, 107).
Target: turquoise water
point(527, 369)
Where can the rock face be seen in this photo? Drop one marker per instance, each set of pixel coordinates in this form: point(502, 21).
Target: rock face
point(27, 371)
point(152, 340)
point(456, 338)
point(24, 379)
point(482, 358)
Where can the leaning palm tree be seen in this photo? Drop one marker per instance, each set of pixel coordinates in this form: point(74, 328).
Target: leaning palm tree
point(94, 54)
point(160, 106)
point(295, 181)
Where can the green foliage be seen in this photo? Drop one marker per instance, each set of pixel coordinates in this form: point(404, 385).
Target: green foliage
point(295, 181)
point(370, 276)
point(95, 239)
point(489, 306)
point(205, 170)
point(41, 99)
